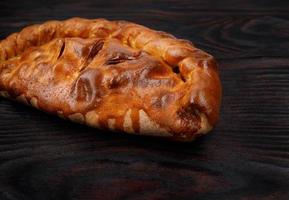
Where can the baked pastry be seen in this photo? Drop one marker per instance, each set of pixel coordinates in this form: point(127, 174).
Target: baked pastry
point(113, 75)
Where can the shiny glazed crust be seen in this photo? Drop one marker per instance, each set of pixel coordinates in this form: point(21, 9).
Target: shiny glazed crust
point(113, 75)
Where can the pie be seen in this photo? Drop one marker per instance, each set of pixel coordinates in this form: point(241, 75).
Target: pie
point(113, 75)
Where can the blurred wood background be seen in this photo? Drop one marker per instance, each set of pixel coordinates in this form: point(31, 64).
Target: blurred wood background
point(245, 157)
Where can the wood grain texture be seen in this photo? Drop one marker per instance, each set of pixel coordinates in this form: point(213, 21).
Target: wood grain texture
point(245, 157)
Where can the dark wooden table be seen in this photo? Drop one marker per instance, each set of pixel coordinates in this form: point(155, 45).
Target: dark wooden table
point(245, 157)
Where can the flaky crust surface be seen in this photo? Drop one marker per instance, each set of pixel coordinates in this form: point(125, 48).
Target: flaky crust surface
point(113, 74)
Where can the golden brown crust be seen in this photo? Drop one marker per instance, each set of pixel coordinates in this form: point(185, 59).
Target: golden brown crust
point(113, 74)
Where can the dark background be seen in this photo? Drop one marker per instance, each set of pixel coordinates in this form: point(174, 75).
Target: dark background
point(245, 157)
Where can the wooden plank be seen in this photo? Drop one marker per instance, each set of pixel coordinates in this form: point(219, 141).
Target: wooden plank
point(224, 37)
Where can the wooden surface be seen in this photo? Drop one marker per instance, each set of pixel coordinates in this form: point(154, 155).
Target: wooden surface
point(245, 157)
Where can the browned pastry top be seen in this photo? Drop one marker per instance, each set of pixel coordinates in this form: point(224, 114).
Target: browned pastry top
point(117, 70)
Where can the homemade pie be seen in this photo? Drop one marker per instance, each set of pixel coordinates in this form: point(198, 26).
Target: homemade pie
point(113, 75)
